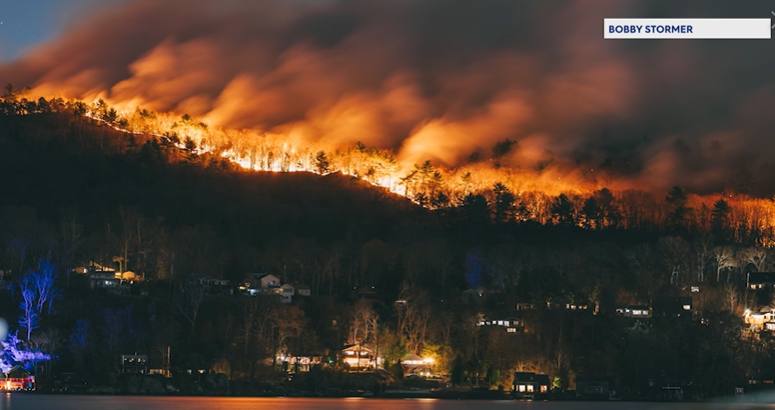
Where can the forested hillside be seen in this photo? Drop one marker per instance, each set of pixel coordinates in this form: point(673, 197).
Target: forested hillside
point(75, 192)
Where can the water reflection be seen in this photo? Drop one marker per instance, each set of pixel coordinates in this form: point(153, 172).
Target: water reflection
point(40, 401)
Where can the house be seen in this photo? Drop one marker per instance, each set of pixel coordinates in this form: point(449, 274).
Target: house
point(634, 311)
point(568, 303)
point(17, 379)
point(209, 281)
point(761, 280)
point(761, 320)
point(413, 364)
point(262, 281)
point(134, 364)
point(248, 289)
point(255, 283)
point(680, 307)
point(511, 325)
point(303, 290)
point(110, 281)
point(357, 358)
point(530, 386)
point(214, 286)
point(594, 388)
point(286, 292)
point(368, 293)
point(301, 363)
point(269, 281)
point(92, 267)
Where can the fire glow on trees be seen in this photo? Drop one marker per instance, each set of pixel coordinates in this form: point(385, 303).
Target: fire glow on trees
point(512, 194)
point(438, 80)
point(283, 153)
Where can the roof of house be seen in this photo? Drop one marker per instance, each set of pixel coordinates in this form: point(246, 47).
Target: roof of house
point(531, 378)
point(18, 372)
point(102, 275)
point(356, 348)
point(761, 278)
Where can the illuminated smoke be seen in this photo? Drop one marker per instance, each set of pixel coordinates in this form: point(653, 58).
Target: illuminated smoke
point(440, 80)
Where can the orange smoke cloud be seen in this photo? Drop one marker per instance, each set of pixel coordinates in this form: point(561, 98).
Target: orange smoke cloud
point(429, 79)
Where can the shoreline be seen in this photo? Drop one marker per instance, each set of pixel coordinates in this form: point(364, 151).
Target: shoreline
point(396, 396)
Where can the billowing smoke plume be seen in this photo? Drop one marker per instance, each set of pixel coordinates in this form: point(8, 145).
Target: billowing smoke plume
point(443, 80)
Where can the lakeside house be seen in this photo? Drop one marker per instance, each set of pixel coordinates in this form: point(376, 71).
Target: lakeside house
point(413, 364)
point(134, 364)
point(760, 280)
point(17, 379)
point(358, 358)
point(530, 386)
point(594, 388)
point(299, 363)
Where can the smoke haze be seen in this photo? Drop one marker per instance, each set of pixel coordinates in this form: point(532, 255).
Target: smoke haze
point(442, 79)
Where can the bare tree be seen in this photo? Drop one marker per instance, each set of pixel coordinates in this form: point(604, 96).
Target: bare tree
point(413, 314)
point(45, 285)
point(29, 317)
point(725, 258)
point(287, 322)
point(758, 257)
point(363, 323)
point(732, 297)
point(674, 251)
point(703, 251)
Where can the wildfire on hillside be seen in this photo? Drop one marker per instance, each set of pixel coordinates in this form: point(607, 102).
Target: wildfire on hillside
point(450, 82)
point(511, 194)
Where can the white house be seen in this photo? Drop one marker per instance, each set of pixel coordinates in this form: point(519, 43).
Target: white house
point(303, 290)
point(286, 293)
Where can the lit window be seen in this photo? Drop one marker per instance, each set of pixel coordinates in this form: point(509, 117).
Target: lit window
point(529, 388)
point(544, 388)
point(687, 307)
point(521, 388)
point(511, 330)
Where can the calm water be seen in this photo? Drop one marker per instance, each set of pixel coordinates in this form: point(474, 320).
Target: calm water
point(45, 402)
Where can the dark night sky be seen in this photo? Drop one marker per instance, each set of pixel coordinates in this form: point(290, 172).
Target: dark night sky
point(430, 78)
